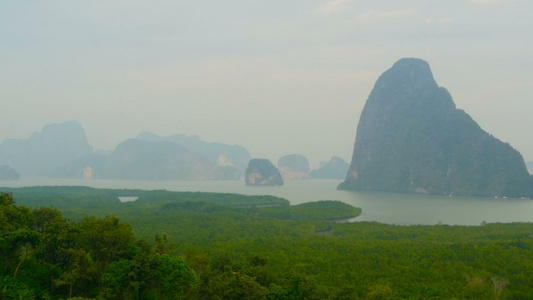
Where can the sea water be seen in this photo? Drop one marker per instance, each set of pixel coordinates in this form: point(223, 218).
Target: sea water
point(390, 208)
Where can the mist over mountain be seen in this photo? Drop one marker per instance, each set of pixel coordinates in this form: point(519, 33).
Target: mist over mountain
point(293, 166)
point(335, 168)
point(261, 171)
point(8, 173)
point(218, 153)
point(411, 138)
point(529, 166)
point(164, 160)
point(62, 150)
point(88, 166)
point(153, 158)
point(45, 151)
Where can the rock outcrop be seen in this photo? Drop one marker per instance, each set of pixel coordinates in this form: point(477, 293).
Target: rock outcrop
point(294, 166)
point(145, 160)
point(159, 158)
point(335, 168)
point(90, 166)
point(8, 173)
point(221, 154)
point(262, 172)
point(412, 139)
point(40, 155)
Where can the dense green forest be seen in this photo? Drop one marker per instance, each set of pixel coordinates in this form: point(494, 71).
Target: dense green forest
point(59, 242)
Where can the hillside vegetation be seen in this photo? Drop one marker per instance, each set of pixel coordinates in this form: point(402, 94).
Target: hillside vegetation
point(222, 246)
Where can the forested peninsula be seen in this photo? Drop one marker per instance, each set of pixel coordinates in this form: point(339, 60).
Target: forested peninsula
point(84, 243)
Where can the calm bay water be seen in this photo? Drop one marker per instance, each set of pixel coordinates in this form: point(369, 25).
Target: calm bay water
point(403, 209)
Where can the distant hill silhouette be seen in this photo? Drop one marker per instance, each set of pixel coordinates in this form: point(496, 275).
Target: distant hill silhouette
point(62, 150)
point(412, 139)
point(261, 171)
point(146, 160)
point(141, 159)
point(218, 153)
point(8, 173)
point(294, 166)
point(335, 168)
point(41, 154)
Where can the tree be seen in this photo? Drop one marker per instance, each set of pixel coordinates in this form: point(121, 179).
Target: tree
point(17, 240)
point(499, 284)
point(13, 217)
point(379, 292)
point(22, 242)
point(175, 277)
point(106, 240)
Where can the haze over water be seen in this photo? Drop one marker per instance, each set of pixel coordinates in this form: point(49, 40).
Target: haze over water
point(401, 209)
point(278, 77)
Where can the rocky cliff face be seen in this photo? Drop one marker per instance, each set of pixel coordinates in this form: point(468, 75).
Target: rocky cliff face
point(294, 166)
point(40, 155)
point(221, 154)
point(141, 159)
point(335, 168)
point(151, 157)
point(90, 166)
point(411, 138)
point(8, 173)
point(262, 172)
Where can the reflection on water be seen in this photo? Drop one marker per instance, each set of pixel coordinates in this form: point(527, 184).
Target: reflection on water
point(404, 209)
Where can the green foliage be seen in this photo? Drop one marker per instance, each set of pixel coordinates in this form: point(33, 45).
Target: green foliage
point(10, 288)
point(174, 277)
point(44, 256)
point(211, 250)
point(105, 239)
point(161, 196)
point(321, 210)
point(60, 197)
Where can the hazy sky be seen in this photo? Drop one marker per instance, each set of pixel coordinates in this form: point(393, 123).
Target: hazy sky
point(278, 77)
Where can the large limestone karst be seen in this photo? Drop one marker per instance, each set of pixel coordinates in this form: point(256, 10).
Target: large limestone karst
point(41, 154)
point(411, 138)
point(145, 160)
point(335, 168)
point(293, 166)
point(151, 157)
point(8, 173)
point(90, 166)
point(529, 166)
point(224, 155)
point(261, 171)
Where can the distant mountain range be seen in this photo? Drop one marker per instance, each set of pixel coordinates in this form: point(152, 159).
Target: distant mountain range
point(335, 168)
point(42, 153)
point(222, 154)
point(296, 166)
point(62, 150)
point(162, 160)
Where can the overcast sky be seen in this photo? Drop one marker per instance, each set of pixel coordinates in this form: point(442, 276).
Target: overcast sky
point(278, 77)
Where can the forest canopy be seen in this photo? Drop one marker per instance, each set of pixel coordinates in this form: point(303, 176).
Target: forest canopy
point(173, 245)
